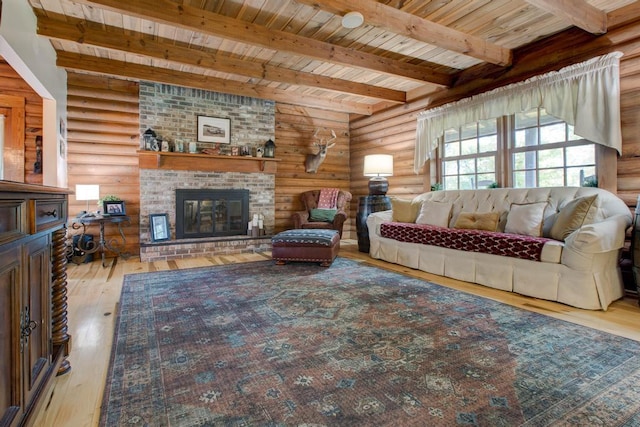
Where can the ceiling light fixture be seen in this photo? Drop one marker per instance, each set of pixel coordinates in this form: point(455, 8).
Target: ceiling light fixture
point(352, 20)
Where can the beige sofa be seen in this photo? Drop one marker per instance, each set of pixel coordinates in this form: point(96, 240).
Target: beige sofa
point(578, 268)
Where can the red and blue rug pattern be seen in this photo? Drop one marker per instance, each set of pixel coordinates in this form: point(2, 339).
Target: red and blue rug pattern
point(352, 345)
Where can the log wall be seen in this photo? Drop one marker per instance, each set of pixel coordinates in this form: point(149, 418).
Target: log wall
point(103, 137)
point(12, 84)
point(295, 126)
point(393, 131)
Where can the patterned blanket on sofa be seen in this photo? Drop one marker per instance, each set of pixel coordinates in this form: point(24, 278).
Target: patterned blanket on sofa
point(490, 242)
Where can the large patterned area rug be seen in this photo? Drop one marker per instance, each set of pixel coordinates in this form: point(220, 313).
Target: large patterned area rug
point(352, 345)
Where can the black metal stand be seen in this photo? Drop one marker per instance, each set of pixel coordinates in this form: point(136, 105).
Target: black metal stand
point(90, 246)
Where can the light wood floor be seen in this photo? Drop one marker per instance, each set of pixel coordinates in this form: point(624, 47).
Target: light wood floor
point(94, 292)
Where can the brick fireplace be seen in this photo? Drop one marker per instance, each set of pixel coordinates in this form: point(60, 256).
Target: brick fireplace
point(158, 185)
point(172, 112)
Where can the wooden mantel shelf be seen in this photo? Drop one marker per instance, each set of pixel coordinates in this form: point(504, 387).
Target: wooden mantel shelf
point(206, 162)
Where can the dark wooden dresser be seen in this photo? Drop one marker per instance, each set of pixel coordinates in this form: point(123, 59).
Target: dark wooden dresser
point(34, 342)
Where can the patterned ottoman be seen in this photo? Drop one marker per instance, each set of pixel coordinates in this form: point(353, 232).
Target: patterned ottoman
point(306, 245)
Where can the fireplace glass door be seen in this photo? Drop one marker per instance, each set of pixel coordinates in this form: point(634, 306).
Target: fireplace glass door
point(210, 213)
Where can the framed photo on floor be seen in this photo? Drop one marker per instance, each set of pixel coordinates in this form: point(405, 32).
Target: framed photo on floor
point(159, 224)
point(214, 129)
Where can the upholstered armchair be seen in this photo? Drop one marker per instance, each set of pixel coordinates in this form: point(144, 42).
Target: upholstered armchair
point(304, 219)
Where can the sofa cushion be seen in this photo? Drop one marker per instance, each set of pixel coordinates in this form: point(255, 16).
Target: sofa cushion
point(322, 215)
point(572, 216)
point(489, 242)
point(404, 210)
point(487, 221)
point(435, 213)
point(526, 218)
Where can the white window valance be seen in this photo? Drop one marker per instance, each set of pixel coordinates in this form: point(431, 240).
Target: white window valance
point(585, 95)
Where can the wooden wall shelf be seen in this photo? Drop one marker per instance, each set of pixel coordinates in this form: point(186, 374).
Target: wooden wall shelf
point(206, 162)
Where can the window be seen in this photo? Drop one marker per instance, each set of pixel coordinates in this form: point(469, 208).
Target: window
point(470, 153)
point(539, 150)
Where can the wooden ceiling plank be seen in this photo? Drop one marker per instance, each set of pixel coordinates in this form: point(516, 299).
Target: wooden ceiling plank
point(140, 44)
point(577, 12)
point(409, 25)
point(93, 64)
point(188, 17)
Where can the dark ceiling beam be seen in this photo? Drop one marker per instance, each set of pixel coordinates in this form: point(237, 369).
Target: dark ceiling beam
point(195, 19)
point(102, 66)
point(414, 27)
point(83, 32)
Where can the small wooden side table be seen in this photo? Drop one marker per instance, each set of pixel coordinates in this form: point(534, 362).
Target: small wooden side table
point(102, 245)
point(368, 205)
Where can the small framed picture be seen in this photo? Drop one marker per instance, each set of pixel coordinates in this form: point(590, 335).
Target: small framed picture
point(159, 224)
point(113, 208)
point(214, 129)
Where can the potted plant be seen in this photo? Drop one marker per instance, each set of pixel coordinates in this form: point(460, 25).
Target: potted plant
point(107, 198)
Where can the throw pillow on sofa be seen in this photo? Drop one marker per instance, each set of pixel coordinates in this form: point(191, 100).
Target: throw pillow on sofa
point(322, 215)
point(487, 221)
point(404, 210)
point(525, 219)
point(572, 216)
point(435, 213)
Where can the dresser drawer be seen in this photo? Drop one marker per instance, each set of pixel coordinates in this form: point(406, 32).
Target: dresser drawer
point(13, 220)
point(47, 213)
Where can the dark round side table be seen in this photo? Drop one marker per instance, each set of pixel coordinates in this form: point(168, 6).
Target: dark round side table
point(368, 205)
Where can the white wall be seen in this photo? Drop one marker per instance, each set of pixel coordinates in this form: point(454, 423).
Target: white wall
point(34, 59)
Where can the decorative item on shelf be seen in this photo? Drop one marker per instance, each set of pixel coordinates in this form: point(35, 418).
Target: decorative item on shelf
point(235, 150)
point(87, 192)
point(378, 166)
point(270, 149)
point(259, 151)
point(156, 144)
point(178, 146)
point(165, 146)
point(148, 140)
point(215, 150)
point(193, 147)
point(245, 150)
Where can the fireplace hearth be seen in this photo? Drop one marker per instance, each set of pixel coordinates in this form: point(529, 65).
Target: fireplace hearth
point(211, 213)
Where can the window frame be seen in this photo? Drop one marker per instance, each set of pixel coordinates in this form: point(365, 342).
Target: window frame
point(506, 149)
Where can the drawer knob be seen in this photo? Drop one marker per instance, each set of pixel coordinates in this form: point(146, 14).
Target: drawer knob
point(52, 213)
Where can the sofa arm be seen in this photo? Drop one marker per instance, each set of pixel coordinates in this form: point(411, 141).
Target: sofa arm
point(599, 237)
point(375, 219)
point(299, 218)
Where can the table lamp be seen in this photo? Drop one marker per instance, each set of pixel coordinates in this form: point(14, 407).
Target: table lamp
point(87, 192)
point(378, 166)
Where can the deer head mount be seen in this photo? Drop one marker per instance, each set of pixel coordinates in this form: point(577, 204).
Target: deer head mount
point(314, 161)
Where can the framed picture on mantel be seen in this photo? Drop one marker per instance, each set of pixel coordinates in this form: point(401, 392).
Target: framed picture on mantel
point(214, 129)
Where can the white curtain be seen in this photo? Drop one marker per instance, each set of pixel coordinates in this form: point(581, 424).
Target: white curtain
point(586, 95)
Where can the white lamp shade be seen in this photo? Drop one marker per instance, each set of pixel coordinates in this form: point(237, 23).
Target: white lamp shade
point(87, 192)
point(378, 165)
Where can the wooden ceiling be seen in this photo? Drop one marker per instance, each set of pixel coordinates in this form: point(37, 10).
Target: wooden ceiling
point(298, 51)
